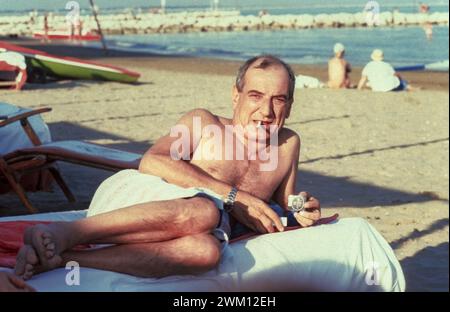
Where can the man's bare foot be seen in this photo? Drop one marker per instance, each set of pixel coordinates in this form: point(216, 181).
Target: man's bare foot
point(26, 262)
point(411, 88)
point(48, 241)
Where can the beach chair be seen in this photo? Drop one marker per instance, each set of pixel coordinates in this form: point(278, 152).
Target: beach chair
point(43, 156)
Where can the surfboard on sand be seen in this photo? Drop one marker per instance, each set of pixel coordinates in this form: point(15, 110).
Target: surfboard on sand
point(69, 67)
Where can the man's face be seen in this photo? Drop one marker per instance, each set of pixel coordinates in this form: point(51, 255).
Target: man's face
point(264, 98)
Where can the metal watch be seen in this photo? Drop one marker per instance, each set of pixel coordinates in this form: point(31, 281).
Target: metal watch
point(228, 203)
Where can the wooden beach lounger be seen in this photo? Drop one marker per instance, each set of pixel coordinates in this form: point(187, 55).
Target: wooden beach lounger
point(42, 156)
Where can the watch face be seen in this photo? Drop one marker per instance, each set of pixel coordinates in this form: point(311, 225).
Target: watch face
point(296, 203)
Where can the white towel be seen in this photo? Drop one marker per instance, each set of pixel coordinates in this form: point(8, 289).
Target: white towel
point(130, 187)
point(302, 82)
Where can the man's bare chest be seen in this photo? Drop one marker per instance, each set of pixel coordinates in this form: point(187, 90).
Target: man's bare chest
point(251, 168)
point(243, 174)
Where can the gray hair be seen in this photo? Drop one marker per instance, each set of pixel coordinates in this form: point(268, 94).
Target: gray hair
point(267, 61)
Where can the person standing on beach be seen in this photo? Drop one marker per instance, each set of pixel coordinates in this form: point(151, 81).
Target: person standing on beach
point(339, 69)
point(381, 76)
point(427, 27)
point(73, 22)
point(424, 8)
point(46, 28)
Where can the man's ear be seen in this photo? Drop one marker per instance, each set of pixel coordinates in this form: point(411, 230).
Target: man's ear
point(235, 97)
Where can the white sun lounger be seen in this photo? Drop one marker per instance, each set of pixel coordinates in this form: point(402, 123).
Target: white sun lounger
point(348, 255)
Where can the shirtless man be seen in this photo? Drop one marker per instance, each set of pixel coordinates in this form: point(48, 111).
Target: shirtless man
point(339, 69)
point(160, 238)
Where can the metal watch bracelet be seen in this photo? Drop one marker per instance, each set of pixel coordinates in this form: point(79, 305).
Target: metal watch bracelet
point(230, 199)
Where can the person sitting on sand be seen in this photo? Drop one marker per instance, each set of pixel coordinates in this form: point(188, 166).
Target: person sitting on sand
point(183, 234)
point(381, 76)
point(339, 69)
point(11, 283)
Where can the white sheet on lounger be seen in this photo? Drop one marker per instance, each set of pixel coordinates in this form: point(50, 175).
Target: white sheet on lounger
point(332, 257)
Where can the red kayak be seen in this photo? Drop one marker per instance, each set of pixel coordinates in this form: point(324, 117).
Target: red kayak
point(65, 36)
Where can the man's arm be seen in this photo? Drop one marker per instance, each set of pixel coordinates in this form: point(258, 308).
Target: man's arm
point(158, 160)
point(288, 187)
point(288, 184)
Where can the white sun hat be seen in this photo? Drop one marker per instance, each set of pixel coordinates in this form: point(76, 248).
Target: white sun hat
point(338, 47)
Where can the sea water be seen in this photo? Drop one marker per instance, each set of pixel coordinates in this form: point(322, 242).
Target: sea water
point(401, 45)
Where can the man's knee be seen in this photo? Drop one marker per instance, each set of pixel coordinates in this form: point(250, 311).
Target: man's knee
point(206, 252)
point(199, 215)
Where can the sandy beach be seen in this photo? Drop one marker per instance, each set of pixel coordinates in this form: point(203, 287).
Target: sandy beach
point(379, 156)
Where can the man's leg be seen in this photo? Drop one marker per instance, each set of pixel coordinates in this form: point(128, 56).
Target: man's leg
point(142, 223)
point(191, 254)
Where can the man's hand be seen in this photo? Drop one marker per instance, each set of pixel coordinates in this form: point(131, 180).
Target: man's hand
point(255, 214)
point(11, 283)
point(311, 214)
